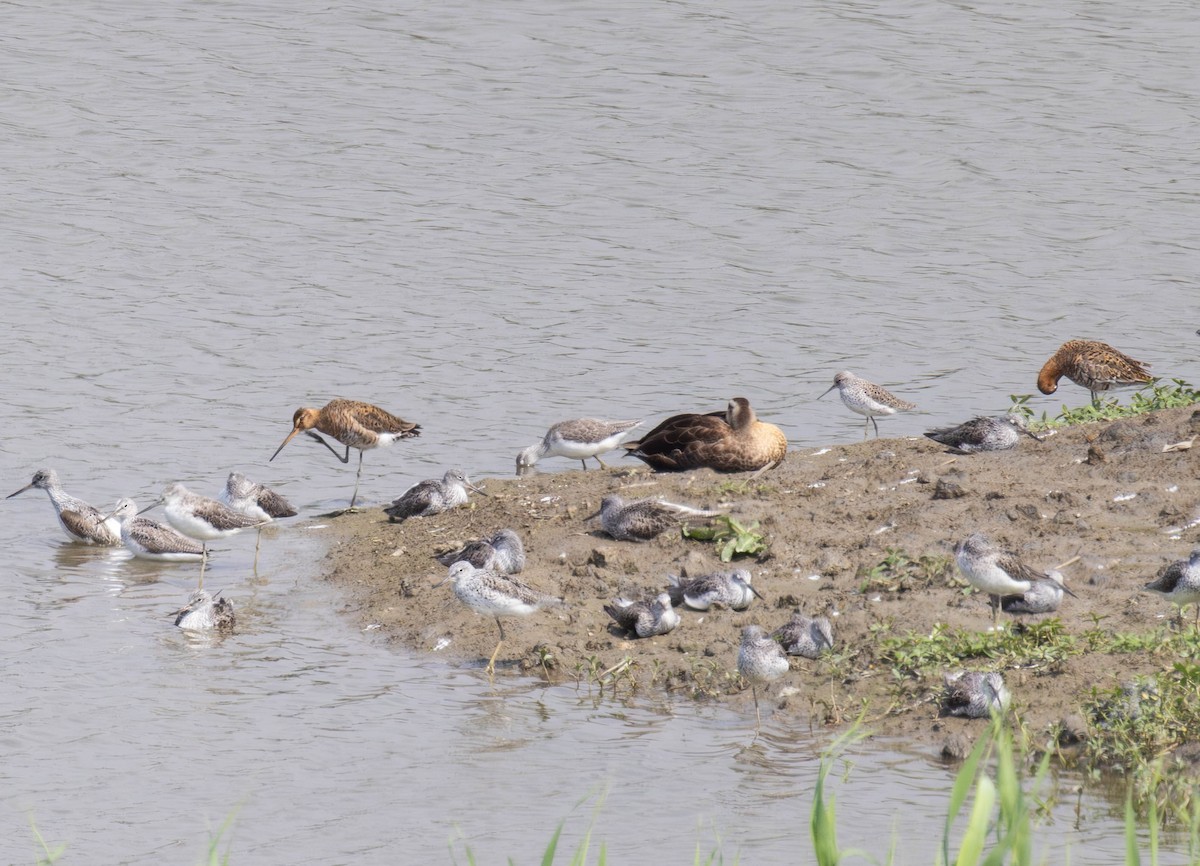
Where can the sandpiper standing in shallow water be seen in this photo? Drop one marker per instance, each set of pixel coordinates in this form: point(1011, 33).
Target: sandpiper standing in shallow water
point(1093, 365)
point(997, 433)
point(994, 571)
point(578, 439)
point(804, 636)
point(149, 539)
point(204, 612)
point(432, 496)
point(867, 398)
point(353, 423)
point(644, 619)
point(642, 519)
point(1179, 583)
point(80, 521)
point(257, 501)
point(729, 589)
point(503, 553)
point(974, 695)
point(486, 592)
point(730, 441)
point(760, 660)
point(200, 517)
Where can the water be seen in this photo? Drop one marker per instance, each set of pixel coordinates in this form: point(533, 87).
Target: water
point(486, 218)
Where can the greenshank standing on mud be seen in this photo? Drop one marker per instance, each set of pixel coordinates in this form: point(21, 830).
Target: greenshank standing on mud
point(994, 571)
point(497, 595)
point(353, 423)
point(80, 521)
point(432, 496)
point(867, 398)
point(577, 439)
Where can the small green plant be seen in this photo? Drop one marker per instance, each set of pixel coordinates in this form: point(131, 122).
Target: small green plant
point(1156, 395)
point(731, 537)
point(48, 855)
point(899, 573)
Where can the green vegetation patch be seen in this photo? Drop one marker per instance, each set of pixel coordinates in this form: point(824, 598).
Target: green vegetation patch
point(1154, 396)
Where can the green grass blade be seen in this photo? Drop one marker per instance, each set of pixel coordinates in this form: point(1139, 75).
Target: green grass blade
point(977, 823)
point(548, 857)
point(1133, 856)
point(960, 790)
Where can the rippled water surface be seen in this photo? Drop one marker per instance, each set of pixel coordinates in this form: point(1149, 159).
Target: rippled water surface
point(486, 218)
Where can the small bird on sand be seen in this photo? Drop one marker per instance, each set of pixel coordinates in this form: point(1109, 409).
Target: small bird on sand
point(353, 423)
point(994, 571)
point(80, 521)
point(497, 595)
point(430, 497)
point(730, 589)
point(1044, 595)
point(867, 398)
point(206, 612)
point(1093, 365)
point(643, 519)
point(1179, 583)
point(805, 636)
point(503, 553)
point(644, 619)
point(974, 695)
point(761, 660)
point(998, 433)
point(578, 439)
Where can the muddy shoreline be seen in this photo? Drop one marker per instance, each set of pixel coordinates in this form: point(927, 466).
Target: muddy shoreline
point(1105, 493)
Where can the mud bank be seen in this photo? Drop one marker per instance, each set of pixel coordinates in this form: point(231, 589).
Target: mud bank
point(1105, 493)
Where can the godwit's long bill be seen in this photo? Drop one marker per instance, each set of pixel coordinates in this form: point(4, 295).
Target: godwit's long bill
point(353, 423)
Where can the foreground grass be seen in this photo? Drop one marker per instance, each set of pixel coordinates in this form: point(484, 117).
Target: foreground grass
point(1156, 395)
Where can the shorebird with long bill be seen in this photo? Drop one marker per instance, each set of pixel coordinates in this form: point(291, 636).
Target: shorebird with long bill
point(354, 424)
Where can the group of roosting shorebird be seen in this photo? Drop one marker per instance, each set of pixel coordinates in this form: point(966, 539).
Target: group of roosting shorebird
point(482, 574)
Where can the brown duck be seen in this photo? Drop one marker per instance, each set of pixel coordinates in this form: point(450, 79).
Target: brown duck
point(730, 441)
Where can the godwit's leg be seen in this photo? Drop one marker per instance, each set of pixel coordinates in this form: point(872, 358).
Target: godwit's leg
point(344, 459)
point(876, 423)
point(257, 544)
point(757, 714)
point(603, 465)
point(203, 563)
point(357, 477)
